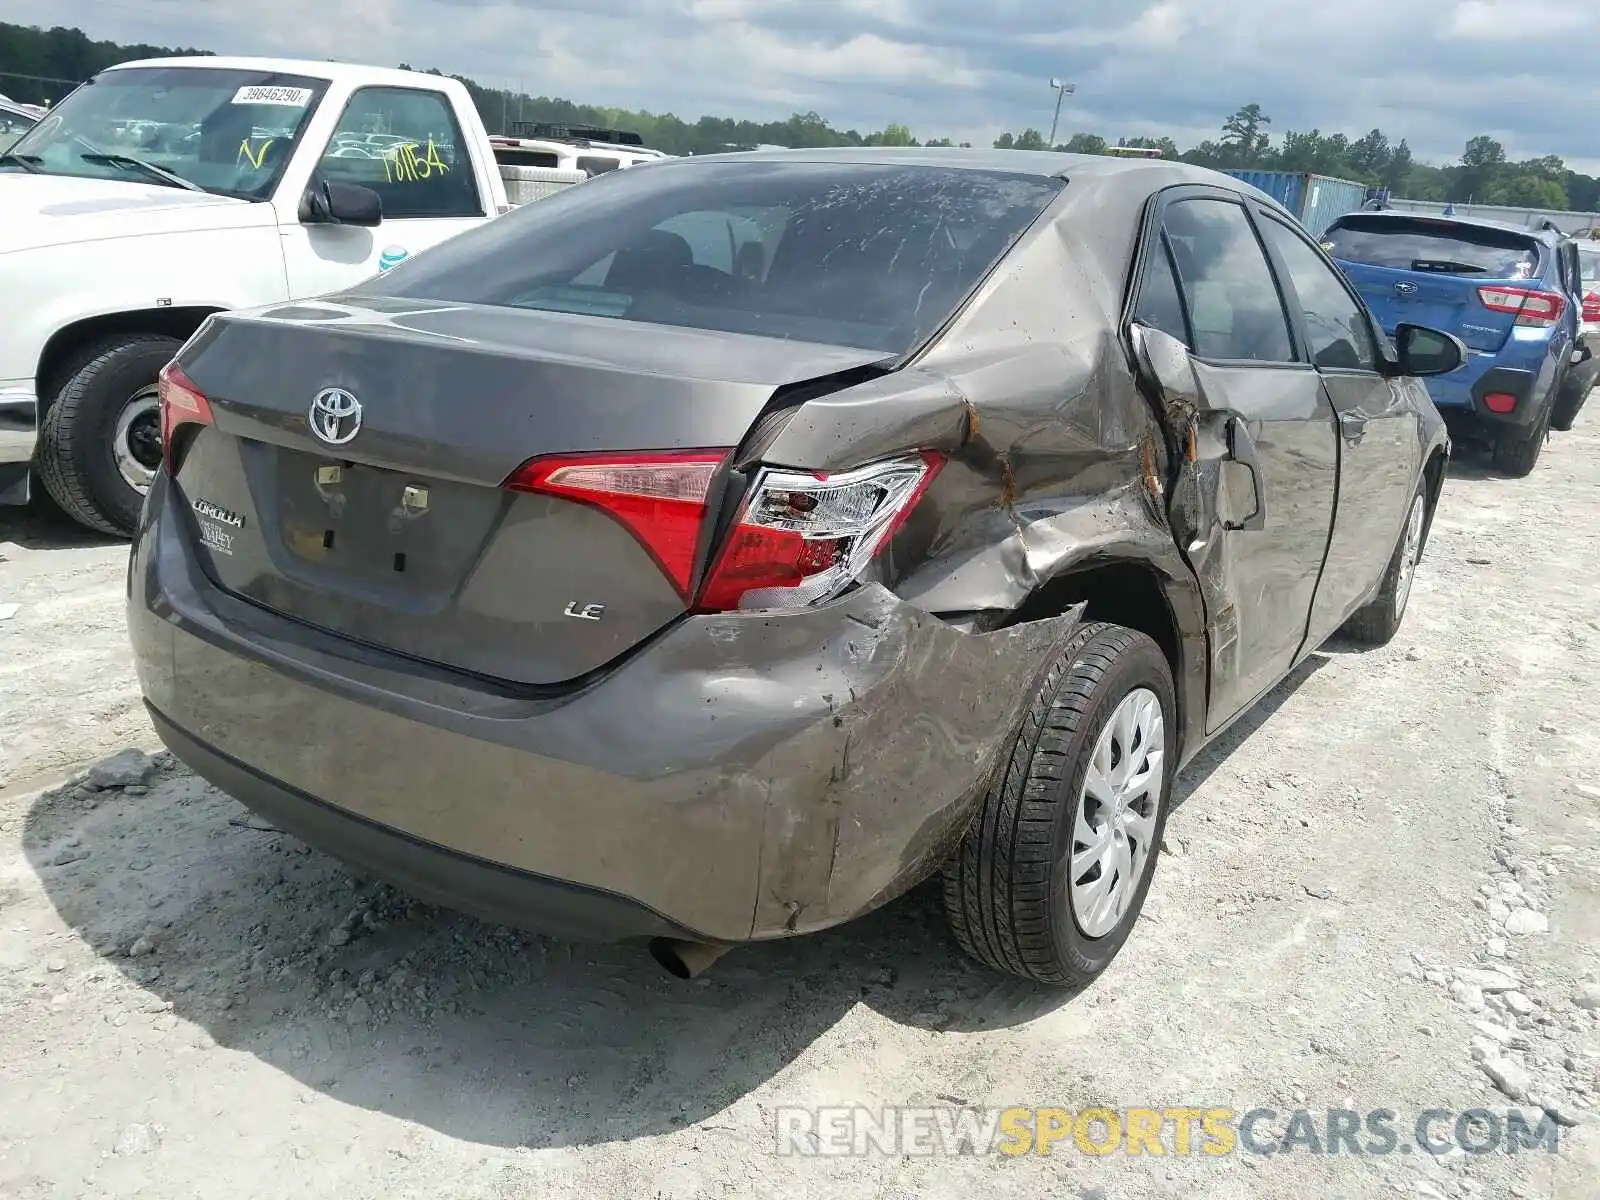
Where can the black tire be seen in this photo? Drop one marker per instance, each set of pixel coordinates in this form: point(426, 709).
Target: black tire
point(1516, 453)
point(1569, 400)
point(1006, 892)
point(75, 457)
point(1377, 621)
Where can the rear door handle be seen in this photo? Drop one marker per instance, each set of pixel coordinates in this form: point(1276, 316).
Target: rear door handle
point(1242, 449)
point(1353, 426)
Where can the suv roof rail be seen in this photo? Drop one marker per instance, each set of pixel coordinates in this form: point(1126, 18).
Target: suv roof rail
point(575, 133)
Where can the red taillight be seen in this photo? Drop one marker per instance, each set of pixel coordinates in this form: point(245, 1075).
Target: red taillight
point(803, 538)
point(1591, 309)
point(1531, 307)
point(181, 404)
point(659, 498)
point(800, 539)
point(1500, 402)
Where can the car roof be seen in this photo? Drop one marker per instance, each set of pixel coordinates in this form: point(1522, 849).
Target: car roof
point(11, 106)
point(334, 72)
point(1040, 163)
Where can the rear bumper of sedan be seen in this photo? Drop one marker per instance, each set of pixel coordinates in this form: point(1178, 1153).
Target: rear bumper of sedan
point(741, 776)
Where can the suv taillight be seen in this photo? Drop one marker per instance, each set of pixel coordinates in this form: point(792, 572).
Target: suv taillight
point(1591, 309)
point(181, 404)
point(1535, 308)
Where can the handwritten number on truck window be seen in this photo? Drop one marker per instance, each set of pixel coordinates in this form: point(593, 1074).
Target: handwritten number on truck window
point(402, 163)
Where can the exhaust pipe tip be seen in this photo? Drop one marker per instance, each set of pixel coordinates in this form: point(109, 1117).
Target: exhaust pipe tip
point(685, 960)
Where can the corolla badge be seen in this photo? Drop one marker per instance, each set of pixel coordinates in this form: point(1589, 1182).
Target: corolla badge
point(392, 256)
point(335, 416)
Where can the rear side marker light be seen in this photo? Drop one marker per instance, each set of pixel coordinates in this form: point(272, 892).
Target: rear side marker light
point(1532, 308)
point(659, 498)
point(802, 538)
point(1500, 402)
point(181, 404)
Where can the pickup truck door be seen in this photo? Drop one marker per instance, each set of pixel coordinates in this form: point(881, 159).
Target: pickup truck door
point(407, 145)
point(1251, 499)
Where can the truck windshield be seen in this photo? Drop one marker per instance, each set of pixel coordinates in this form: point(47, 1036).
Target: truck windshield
point(211, 129)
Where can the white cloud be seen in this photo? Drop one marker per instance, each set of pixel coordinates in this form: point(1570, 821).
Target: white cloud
point(1433, 71)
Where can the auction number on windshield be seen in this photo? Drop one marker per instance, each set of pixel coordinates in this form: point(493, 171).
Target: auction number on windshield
point(409, 161)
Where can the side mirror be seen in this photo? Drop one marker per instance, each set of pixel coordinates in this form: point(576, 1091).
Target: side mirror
point(340, 204)
point(1421, 351)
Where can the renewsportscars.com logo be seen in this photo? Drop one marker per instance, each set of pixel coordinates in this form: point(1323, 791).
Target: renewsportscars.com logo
point(1212, 1132)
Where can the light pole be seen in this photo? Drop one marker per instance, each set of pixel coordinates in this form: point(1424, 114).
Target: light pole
point(1061, 89)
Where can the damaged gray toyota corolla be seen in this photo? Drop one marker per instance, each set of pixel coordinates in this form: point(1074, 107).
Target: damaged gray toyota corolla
point(715, 551)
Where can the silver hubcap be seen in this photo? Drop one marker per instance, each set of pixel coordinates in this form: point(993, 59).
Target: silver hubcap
point(1115, 825)
point(1410, 551)
point(136, 445)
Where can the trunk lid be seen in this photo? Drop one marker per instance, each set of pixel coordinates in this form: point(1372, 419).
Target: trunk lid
point(403, 537)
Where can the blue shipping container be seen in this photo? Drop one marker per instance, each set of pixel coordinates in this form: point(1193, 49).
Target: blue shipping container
point(1315, 199)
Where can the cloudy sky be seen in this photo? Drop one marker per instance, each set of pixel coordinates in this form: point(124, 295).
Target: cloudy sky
point(1433, 71)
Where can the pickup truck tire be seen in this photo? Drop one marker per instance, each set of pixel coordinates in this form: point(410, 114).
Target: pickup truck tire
point(1009, 893)
point(1376, 622)
point(77, 454)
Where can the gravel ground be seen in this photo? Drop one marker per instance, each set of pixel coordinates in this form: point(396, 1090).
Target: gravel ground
point(1382, 892)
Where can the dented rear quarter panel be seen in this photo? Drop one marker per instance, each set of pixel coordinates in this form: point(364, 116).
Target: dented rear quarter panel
point(1057, 460)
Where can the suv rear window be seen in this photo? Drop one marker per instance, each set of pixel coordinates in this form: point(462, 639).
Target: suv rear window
point(1437, 247)
point(849, 254)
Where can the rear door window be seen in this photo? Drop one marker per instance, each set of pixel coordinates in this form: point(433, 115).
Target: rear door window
point(1232, 298)
point(1434, 247)
point(1160, 306)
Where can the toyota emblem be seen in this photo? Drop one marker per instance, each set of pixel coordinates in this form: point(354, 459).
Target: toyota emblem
point(335, 416)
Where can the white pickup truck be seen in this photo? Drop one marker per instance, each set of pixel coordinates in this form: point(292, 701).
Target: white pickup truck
point(164, 190)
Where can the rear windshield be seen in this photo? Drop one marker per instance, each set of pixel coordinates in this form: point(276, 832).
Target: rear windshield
point(1438, 247)
point(876, 257)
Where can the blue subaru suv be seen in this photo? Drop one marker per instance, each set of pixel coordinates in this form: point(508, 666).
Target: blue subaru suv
point(1509, 293)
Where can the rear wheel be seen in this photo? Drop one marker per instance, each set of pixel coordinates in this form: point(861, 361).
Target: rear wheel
point(1054, 871)
point(1376, 623)
point(100, 442)
point(1516, 452)
point(1569, 400)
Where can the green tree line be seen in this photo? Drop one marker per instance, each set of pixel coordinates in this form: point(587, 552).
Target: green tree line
point(1484, 174)
point(44, 64)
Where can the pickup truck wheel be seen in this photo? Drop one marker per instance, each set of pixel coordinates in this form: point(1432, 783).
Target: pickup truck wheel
point(1376, 623)
point(100, 442)
point(1054, 870)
